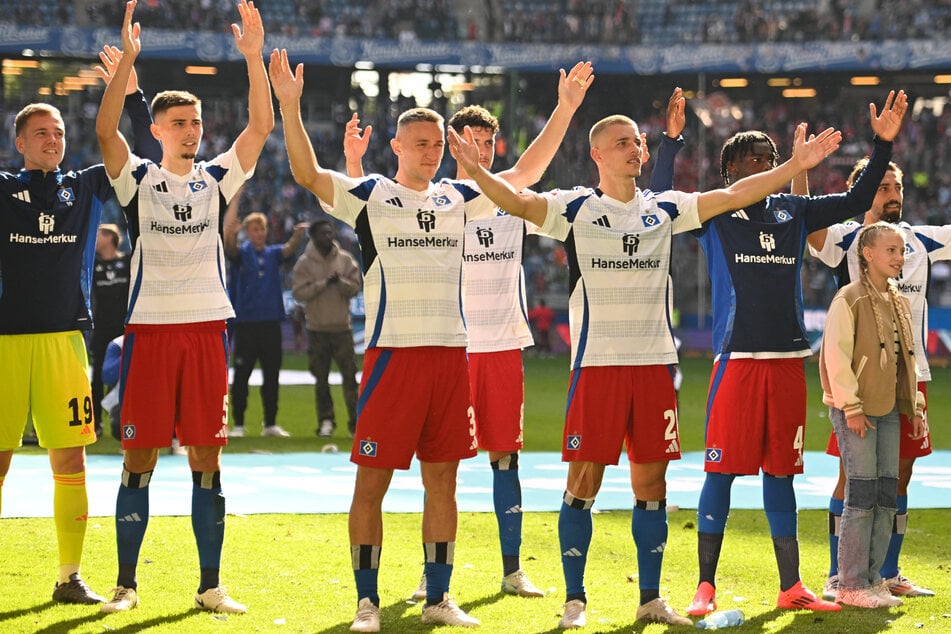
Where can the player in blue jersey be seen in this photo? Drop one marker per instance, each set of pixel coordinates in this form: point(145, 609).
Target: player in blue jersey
point(621, 391)
point(494, 308)
point(258, 299)
point(836, 246)
point(48, 223)
point(174, 361)
point(757, 402)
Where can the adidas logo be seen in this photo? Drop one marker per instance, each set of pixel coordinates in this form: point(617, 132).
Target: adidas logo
point(134, 517)
point(85, 431)
point(515, 509)
point(161, 187)
point(660, 548)
point(223, 432)
point(24, 196)
point(572, 552)
point(396, 202)
point(799, 460)
point(740, 214)
point(673, 447)
point(82, 518)
point(603, 222)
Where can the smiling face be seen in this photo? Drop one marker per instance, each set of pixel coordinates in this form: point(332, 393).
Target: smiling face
point(419, 145)
point(888, 199)
point(884, 255)
point(42, 141)
point(179, 129)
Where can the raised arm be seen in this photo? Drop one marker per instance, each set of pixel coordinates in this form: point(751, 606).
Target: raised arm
point(288, 88)
point(144, 144)
point(662, 174)
point(355, 143)
point(527, 205)
point(533, 162)
point(115, 150)
point(250, 40)
point(806, 154)
point(231, 227)
point(290, 247)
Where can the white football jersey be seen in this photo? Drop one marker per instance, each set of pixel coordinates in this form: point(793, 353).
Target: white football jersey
point(178, 263)
point(619, 264)
point(411, 243)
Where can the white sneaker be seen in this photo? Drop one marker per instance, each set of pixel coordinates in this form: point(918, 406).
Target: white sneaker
point(657, 611)
point(122, 599)
point(447, 613)
point(326, 428)
point(901, 586)
point(574, 615)
point(861, 598)
point(420, 593)
point(276, 431)
point(236, 432)
point(883, 590)
point(367, 618)
point(217, 600)
point(517, 583)
point(829, 589)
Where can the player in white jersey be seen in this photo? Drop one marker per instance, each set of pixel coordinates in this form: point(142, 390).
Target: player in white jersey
point(836, 247)
point(175, 371)
point(411, 233)
point(621, 387)
point(494, 306)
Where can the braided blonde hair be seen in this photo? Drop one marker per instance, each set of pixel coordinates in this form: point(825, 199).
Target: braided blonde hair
point(868, 237)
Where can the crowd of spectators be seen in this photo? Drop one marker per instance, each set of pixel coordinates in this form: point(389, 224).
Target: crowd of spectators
point(923, 150)
point(611, 22)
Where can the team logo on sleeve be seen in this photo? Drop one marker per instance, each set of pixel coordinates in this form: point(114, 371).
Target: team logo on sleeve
point(46, 223)
point(197, 186)
point(485, 237)
point(66, 195)
point(426, 220)
point(441, 200)
point(128, 432)
point(713, 454)
point(782, 215)
point(573, 442)
point(630, 243)
point(650, 220)
point(767, 241)
point(368, 448)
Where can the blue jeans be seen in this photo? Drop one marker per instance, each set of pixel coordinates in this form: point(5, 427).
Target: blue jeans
point(871, 492)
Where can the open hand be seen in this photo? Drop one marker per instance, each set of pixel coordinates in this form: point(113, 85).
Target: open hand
point(287, 86)
point(886, 125)
point(250, 36)
point(356, 139)
point(573, 85)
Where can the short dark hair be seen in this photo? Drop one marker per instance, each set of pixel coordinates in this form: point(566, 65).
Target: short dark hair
point(474, 117)
point(315, 225)
point(416, 115)
point(741, 144)
point(171, 98)
point(860, 165)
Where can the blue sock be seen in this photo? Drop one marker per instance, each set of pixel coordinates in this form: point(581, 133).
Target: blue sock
point(366, 571)
point(438, 569)
point(779, 502)
point(574, 536)
point(889, 567)
point(836, 507)
point(649, 529)
point(714, 507)
point(208, 524)
point(132, 518)
point(507, 499)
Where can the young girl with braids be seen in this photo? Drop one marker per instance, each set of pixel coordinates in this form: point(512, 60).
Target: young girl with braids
point(868, 373)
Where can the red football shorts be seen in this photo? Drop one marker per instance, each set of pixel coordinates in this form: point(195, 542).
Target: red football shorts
point(611, 405)
point(910, 447)
point(497, 385)
point(413, 400)
point(756, 417)
point(174, 378)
